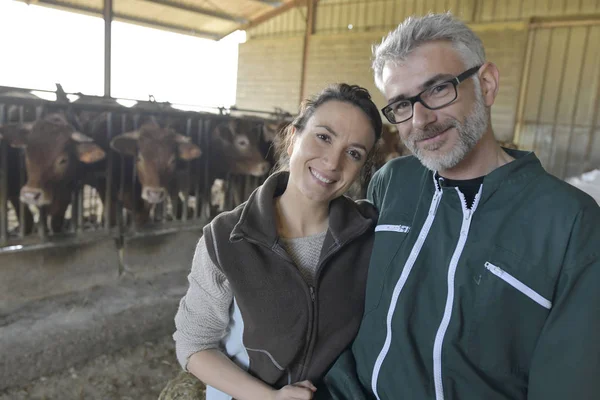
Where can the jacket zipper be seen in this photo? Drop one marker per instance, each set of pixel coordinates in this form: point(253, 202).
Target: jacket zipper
point(441, 333)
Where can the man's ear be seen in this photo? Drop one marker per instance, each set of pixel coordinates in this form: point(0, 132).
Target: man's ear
point(489, 76)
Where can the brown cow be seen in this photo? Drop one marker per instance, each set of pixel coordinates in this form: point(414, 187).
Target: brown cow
point(235, 150)
point(390, 146)
point(158, 152)
point(55, 159)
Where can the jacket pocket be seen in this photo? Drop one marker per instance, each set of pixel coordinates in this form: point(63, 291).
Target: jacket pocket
point(517, 284)
point(390, 234)
point(511, 300)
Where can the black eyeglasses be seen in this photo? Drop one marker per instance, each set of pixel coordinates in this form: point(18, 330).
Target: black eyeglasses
point(433, 98)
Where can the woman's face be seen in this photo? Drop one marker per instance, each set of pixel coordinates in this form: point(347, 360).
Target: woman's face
point(328, 155)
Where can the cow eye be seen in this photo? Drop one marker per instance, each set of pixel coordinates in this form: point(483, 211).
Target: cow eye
point(242, 142)
point(61, 160)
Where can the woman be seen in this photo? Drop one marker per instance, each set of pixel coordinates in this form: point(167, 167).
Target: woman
point(277, 285)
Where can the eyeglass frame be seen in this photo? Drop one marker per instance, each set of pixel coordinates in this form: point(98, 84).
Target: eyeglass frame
point(417, 98)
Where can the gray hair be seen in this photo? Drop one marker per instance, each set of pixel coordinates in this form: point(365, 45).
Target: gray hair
point(416, 31)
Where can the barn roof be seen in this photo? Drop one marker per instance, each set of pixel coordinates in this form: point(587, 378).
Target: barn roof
point(211, 19)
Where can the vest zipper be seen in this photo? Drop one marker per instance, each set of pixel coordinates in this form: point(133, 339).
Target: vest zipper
point(312, 336)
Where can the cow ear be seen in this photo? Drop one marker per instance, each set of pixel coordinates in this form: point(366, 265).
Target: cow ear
point(89, 152)
point(224, 134)
point(188, 151)
point(126, 143)
point(269, 131)
point(16, 134)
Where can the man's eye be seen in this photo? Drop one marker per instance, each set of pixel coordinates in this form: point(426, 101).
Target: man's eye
point(403, 105)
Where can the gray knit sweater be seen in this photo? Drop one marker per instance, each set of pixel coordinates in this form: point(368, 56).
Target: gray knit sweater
point(203, 315)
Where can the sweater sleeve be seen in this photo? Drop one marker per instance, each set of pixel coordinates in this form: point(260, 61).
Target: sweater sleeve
point(203, 316)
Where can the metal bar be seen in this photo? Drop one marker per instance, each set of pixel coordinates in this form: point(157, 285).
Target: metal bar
point(186, 191)
point(22, 178)
point(579, 81)
point(109, 176)
point(270, 3)
point(74, 209)
point(268, 15)
point(201, 141)
point(595, 119)
point(133, 19)
point(551, 159)
point(309, 31)
point(134, 197)
point(207, 134)
point(567, 21)
point(202, 11)
point(523, 87)
point(3, 184)
point(476, 7)
point(108, 16)
point(544, 75)
point(79, 205)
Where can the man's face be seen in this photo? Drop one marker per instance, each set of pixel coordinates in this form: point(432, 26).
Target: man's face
point(439, 138)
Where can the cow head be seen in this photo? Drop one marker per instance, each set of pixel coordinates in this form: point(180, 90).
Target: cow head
point(238, 141)
point(53, 150)
point(157, 151)
point(391, 145)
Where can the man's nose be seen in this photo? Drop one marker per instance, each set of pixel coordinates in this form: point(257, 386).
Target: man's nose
point(422, 116)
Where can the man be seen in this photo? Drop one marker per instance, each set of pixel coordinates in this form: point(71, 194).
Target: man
point(484, 281)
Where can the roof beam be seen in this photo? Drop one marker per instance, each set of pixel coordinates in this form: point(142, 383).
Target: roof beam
point(200, 10)
point(128, 18)
point(270, 2)
point(272, 14)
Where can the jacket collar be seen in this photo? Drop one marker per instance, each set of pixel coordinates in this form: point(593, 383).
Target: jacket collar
point(525, 167)
point(257, 220)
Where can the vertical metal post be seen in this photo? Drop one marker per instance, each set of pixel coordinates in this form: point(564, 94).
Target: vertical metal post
point(565, 167)
point(22, 177)
point(523, 86)
point(108, 16)
point(74, 209)
point(310, 30)
point(544, 75)
point(590, 142)
point(109, 176)
point(551, 159)
point(79, 205)
point(199, 170)
point(3, 184)
point(186, 191)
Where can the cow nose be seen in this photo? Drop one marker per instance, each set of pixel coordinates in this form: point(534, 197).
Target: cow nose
point(260, 169)
point(32, 196)
point(154, 195)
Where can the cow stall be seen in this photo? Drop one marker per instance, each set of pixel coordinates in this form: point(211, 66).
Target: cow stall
point(91, 189)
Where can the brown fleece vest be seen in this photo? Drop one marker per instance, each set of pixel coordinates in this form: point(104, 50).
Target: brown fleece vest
point(292, 331)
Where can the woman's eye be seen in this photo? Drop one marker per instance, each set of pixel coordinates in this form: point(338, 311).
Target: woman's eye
point(323, 137)
point(355, 154)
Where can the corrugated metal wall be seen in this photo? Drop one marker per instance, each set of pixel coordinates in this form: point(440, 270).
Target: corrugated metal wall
point(371, 15)
point(561, 107)
point(550, 99)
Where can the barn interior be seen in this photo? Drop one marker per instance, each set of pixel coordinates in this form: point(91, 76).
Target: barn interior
point(102, 276)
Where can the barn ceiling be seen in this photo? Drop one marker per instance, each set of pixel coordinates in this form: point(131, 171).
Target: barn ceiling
point(211, 19)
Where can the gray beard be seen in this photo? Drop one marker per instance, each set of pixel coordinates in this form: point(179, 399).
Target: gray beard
point(469, 133)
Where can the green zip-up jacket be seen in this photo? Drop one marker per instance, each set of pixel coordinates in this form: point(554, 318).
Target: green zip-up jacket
point(500, 301)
